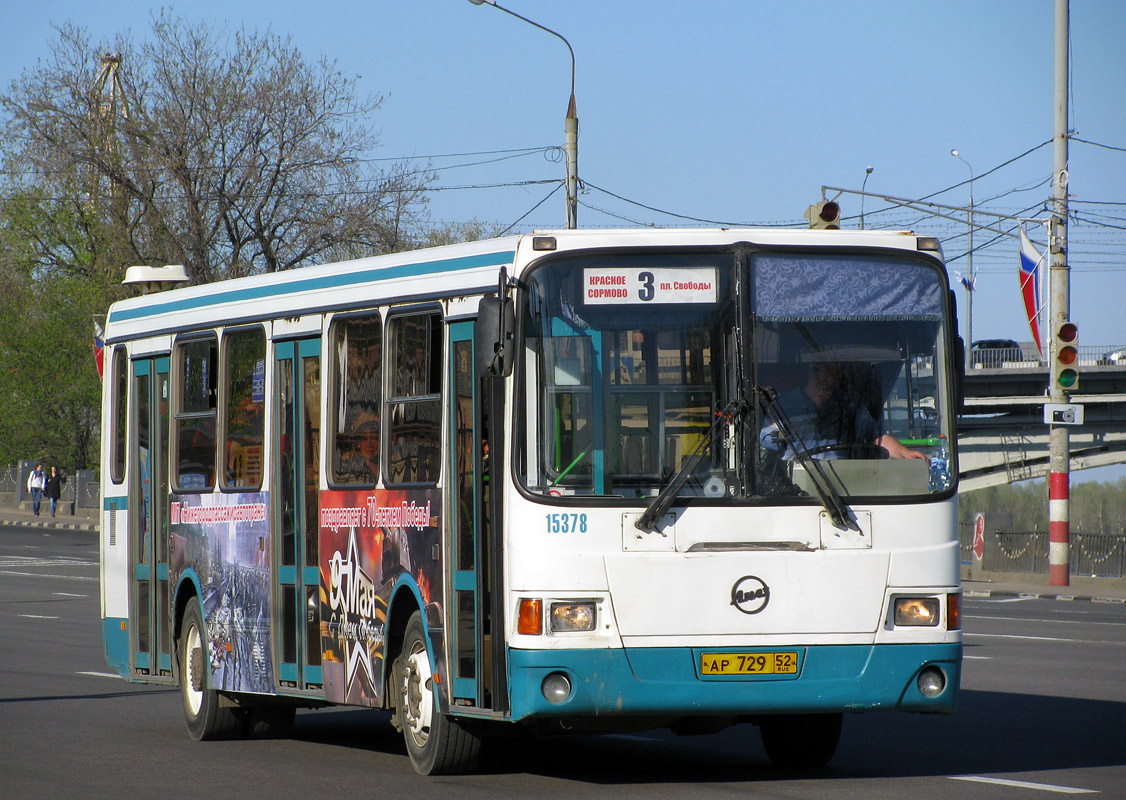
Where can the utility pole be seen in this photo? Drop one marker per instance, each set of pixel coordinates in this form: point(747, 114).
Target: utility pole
point(969, 266)
point(1059, 464)
point(570, 122)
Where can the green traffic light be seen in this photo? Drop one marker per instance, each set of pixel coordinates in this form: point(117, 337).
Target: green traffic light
point(1068, 378)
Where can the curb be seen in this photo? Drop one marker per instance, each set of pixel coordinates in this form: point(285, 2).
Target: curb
point(51, 524)
point(1006, 594)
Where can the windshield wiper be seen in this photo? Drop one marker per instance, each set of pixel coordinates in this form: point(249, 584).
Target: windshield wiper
point(830, 498)
point(671, 490)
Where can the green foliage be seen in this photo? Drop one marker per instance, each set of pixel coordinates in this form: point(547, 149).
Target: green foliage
point(1095, 507)
point(49, 388)
point(231, 155)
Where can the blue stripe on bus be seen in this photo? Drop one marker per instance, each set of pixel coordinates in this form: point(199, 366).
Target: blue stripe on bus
point(664, 680)
point(115, 503)
point(321, 283)
point(115, 640)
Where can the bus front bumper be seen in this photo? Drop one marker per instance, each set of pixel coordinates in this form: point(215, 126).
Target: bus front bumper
point(669, 681)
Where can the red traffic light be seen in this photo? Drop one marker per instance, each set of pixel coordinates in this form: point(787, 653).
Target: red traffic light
point(830, 212)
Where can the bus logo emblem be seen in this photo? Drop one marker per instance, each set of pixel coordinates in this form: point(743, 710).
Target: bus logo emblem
point(750, 594)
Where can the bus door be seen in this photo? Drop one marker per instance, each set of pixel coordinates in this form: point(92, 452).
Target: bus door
point(475, 452)
point(151, 637)
point(297, 404)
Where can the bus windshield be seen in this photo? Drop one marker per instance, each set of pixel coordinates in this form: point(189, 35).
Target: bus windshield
point(636, 364)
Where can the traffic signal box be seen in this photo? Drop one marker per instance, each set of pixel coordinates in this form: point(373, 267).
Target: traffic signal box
point(825, 215)
point(1065, 373)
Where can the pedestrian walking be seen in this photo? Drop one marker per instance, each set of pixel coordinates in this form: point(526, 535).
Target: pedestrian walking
point(53, 488)
point(35, 483)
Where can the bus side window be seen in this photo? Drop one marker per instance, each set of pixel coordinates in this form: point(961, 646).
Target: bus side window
point(195, 442)
point(244, 353)
point(120, 377)
point(414, 407)
point(357, 393)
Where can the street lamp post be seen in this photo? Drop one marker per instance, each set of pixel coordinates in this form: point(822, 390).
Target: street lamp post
point(863, 187)
point(969, 266)
point(570, 123)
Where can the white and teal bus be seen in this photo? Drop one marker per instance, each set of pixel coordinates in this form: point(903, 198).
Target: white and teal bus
point(567, 481)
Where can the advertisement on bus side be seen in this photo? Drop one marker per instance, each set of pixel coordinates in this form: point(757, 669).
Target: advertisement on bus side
point(369, 541)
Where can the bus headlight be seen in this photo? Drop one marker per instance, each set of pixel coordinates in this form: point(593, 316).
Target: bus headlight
point(916, 611)
point(568, 617)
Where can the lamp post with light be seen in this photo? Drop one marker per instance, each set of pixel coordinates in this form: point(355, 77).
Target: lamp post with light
point(863, 187)
point(969, 266)
point(570, 124)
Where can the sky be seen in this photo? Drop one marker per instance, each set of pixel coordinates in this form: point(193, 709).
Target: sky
point(728, 111)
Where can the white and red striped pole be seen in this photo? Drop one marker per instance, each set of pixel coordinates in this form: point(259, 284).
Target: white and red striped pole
point(1059, 528)
point(1059, 456)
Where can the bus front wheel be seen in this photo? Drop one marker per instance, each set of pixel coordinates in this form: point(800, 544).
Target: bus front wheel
point(801, 740)
point(206, 718)
point(436, 743)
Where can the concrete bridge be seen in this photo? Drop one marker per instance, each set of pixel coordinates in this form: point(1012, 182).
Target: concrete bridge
point(1002, 437)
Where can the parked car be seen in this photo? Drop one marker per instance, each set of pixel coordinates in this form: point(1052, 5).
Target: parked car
point(992, 353)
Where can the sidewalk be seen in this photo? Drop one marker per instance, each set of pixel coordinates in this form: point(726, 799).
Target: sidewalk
point(62, 522)
point(1034, 585)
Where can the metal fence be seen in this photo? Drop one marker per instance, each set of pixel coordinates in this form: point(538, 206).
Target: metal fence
point(1025, 355)
point(80, 488)
point(1096, 555)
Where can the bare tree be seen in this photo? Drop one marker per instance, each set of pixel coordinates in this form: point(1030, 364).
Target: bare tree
point(229, 153)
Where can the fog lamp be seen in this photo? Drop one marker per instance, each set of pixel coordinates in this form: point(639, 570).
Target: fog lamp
point(932, 681)
point(556, 688)
point(572, 617)
point(916, 611)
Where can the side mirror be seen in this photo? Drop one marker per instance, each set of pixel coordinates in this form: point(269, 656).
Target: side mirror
point(494, 337)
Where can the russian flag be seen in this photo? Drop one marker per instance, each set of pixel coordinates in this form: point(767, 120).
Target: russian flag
point(1030, 278)
point(99, 348)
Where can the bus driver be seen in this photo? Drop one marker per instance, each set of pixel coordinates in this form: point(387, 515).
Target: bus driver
point(833, 415)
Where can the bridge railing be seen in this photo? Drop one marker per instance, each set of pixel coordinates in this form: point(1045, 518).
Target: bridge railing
point(1026, 355)
point(1098, 555)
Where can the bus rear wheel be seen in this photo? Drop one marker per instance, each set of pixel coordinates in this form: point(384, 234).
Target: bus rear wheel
point(206, 718)
point(436, 743)
point(801, 740)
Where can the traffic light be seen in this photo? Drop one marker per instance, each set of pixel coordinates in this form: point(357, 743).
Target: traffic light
point(1065, 374)
point(825, 215)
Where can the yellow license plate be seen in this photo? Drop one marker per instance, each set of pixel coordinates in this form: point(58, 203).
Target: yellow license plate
point(775, 663)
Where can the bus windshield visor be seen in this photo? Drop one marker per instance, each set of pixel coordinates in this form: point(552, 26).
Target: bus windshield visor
point(634, 365)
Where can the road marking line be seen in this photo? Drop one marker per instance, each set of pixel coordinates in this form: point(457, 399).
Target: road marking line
point(36, 616)
point(45, 575)
point(26, 561)
point(977, 658)
point(1048, 621)
point(68, 594)
point(1015, 636)
point(101, 674)
point(1043, 787)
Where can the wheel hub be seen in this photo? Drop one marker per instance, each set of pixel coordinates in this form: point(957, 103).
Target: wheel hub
point(418, 695)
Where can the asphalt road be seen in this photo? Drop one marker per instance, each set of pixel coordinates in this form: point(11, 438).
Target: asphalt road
point(1043, 710)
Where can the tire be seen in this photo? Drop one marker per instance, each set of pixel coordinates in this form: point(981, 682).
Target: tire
point(206, 718)
point(801, 740)
point(436, 743)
